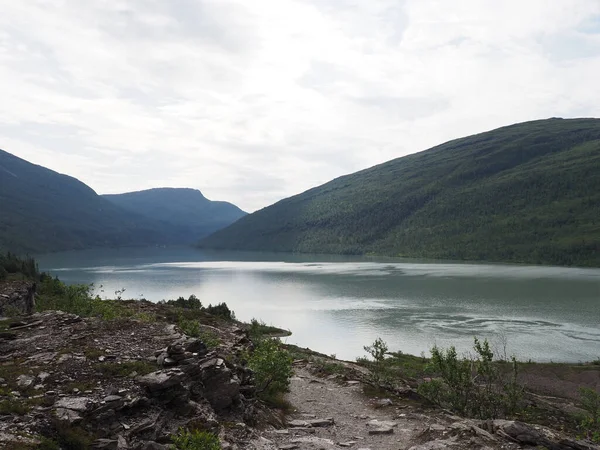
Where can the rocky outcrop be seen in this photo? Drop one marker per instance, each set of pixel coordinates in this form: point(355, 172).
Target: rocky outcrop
point(17, 297)
point(108, 381)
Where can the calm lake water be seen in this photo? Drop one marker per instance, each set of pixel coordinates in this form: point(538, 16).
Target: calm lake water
point(339, 304)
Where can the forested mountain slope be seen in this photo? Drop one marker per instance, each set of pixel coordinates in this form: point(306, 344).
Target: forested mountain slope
point(529, 192)
point(180, 207)
point(42, 210)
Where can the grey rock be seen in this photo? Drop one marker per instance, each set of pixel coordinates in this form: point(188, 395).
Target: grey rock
point(80, 404)
point(68, 415)
point(382, 423)
point(298, 423)
point(347, 444)
point(106, 444)
point(25, 381)
point(321, 422)
point(162, 379)
point(151, 445)
point(383, 402)
point(112, 398)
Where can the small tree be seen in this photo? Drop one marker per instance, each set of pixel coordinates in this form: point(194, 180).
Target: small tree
point(272, 366)
point(377, 350)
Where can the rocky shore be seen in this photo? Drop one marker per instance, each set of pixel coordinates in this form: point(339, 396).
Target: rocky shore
point(72, 382)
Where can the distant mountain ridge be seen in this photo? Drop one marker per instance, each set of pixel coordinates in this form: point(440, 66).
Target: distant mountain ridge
point(42, 210)
point(182, 207)
point(528, 192)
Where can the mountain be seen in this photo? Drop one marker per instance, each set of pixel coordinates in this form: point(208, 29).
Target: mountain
point(42, 210)
point(186, 208)
point(529, 192)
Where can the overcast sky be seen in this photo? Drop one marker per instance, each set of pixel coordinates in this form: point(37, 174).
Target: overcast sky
point(251, 101)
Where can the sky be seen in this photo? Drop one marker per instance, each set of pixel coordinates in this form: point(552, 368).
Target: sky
point(252, 101)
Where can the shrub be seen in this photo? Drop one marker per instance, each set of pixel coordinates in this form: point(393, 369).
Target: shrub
point(272, 366)
point(472, 387)
point(378, 366)
point(589, 400)
point(220, 310)
point(192, 302)
point(195, 440)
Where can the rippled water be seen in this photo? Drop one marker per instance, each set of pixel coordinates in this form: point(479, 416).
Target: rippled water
point(337, 304)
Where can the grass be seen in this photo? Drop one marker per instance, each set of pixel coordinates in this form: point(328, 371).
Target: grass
point(124, 369)
point(13, 407)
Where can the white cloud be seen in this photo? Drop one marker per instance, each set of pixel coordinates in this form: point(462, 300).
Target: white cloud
point(252, 101)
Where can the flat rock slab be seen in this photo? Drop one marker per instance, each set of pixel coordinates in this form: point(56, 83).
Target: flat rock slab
point(80, 404)
point(347, 444)
point(298, 423)
point(321, 422)
point(382, 423)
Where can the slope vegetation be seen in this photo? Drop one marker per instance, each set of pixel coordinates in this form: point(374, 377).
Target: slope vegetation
point(529, 192)
point(186, 208)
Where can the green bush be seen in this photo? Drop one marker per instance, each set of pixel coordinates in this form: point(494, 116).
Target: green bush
point(378, 366)
point(472, 387)
point(53, 294)
point(195, 440)
point(220, 310)
point(589, 400)
point(192, 302)
point(272, 366)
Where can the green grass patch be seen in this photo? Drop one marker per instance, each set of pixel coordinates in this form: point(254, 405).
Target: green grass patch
point(125, 369)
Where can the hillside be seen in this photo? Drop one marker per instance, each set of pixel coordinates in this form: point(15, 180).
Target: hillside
point(43, 210)
point(529, 192)
point(180, 207)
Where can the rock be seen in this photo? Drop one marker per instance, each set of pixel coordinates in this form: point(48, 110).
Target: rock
point(383, 402)
point(381, 430)
point(347, 444)
point(288, 446)
point(382, 423)
point(321, 422)
point(108, 444)
point(221, 385)
point(42, 376)
point(196, 346)
point(25, 381)
point(151, 445)
point(68, 415)
point(436, 427)
point(161, 380)
point(298, 423)
point(17, 296)
point(112, 398)
point(80, 404)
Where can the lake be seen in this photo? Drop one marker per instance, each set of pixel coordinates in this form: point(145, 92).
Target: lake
point(337, 304)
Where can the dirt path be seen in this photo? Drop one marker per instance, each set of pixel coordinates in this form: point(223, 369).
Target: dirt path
point(353, 418)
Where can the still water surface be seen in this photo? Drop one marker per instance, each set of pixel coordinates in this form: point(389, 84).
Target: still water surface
point(336, 304)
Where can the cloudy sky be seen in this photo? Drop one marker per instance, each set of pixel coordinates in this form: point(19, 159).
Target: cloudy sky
point(255, 100)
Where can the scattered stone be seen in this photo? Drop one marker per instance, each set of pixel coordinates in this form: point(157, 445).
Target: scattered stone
point(112, 398)
point(382, 423)
point(347, 444)
point(383, 402)
point(288, 447)
point(25, 381)
point(436, 427)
